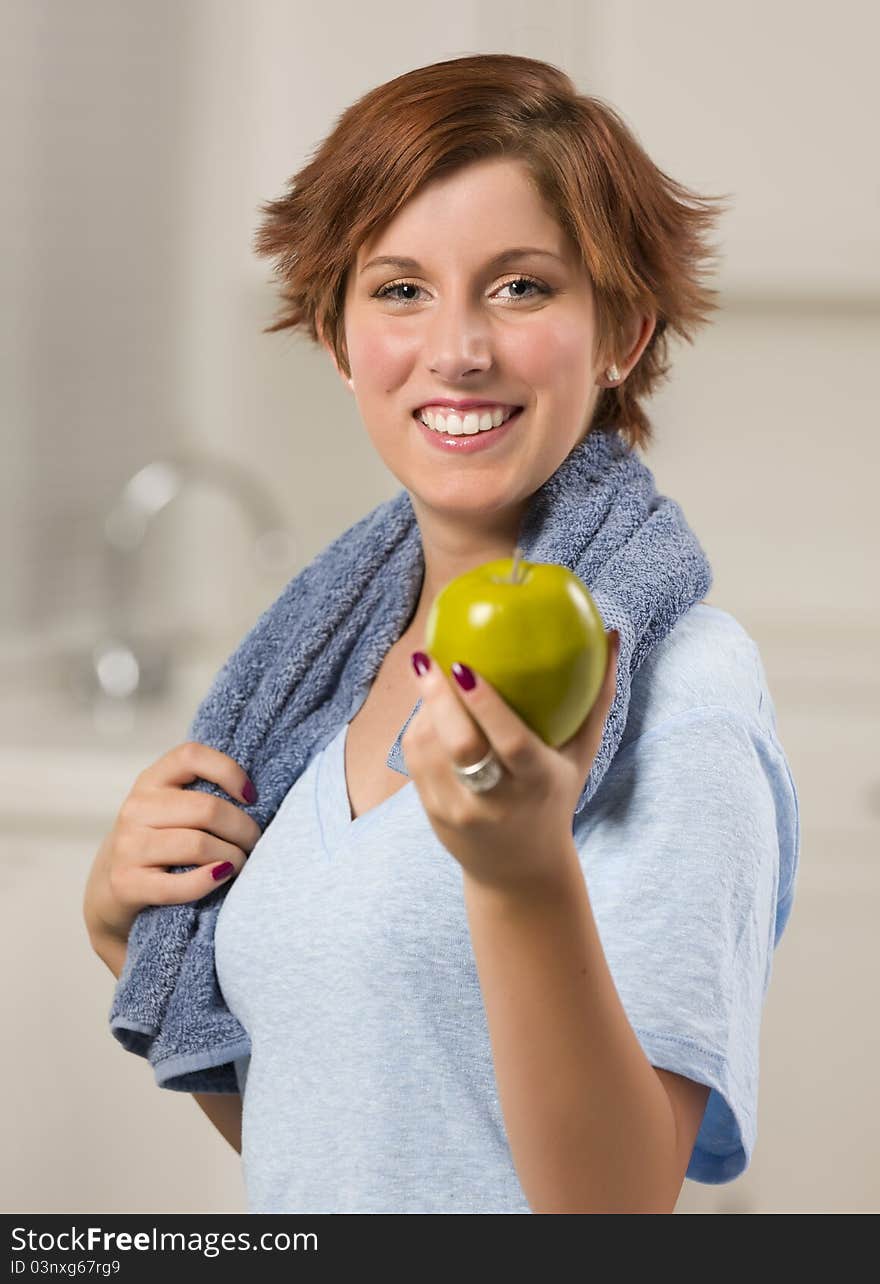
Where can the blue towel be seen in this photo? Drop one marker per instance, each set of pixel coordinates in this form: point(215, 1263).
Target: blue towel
point(288, 688)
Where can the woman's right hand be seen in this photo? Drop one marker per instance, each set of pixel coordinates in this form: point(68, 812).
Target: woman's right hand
point(161, 824)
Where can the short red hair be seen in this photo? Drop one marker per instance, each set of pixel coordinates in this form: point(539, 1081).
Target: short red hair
point(641, 234)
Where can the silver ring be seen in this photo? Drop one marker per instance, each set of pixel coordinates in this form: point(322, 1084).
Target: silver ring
point(482, 775)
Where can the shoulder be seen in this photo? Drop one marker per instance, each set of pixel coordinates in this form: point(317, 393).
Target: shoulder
point(707, 662)
point(700, 767)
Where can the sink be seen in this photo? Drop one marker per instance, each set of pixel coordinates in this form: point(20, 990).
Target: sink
point(67, 762)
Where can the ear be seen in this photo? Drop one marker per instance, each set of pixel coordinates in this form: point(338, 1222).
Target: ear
point(346, 379)
point(639, 336)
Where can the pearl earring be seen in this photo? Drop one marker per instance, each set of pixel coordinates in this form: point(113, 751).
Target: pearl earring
point(613, 373)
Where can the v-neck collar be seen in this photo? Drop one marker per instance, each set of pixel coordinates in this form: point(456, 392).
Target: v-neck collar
point(332, 801)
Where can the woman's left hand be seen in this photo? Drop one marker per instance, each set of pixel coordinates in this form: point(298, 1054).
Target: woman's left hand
point(512, 833)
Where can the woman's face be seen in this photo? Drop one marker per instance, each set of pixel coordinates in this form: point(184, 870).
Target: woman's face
point(455, 327)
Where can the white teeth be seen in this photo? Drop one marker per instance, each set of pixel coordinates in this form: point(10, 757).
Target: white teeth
point(458, 425)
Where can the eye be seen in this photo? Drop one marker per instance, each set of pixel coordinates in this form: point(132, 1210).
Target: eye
point(388, 291)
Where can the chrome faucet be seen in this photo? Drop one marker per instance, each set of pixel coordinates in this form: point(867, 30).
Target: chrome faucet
point(121, 667)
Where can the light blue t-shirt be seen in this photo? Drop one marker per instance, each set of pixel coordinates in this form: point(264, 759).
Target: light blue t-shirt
point(343, 949)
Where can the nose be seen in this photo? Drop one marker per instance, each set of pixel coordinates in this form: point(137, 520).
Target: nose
point(457, 341)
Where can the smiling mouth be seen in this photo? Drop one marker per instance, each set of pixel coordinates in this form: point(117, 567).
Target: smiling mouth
point(478, 421)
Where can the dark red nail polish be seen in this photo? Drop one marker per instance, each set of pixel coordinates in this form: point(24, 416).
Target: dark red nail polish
point(463, 676)
point(420, 662)
point(220, 871)
point(249, 793)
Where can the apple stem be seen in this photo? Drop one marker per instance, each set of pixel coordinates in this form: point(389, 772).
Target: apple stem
point(515, 577)
point(517, 573)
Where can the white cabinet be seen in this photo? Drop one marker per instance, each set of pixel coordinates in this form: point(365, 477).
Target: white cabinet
point(86, 1128)
point(771, 103)
point(818, 1133)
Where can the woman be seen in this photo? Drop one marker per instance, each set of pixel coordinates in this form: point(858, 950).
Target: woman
point(464, 990)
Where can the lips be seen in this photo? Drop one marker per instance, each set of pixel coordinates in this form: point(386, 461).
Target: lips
point(467, 443)
point(462, 408)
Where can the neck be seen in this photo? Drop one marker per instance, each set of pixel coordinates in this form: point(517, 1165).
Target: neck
point(452, 547)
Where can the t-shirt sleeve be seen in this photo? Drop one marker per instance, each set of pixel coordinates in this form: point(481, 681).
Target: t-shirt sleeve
point(689, 850)
point(242, 1065)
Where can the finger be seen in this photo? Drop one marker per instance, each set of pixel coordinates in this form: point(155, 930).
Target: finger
point(456, 732)
point(609, 685)
point(585, 742)
point(194, 761)
point(191, 809)
point(498, 726)
point(138, 886)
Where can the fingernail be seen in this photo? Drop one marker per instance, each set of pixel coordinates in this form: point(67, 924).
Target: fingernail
point(463, 676)
point(249, 793)
point(420, 662)
point(220, 871)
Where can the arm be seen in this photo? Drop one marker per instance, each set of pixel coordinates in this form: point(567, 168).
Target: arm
point(224, 1111)
point(222, 1108)
point(592, 1126)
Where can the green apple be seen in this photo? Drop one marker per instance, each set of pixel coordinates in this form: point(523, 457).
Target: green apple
point(533, 630)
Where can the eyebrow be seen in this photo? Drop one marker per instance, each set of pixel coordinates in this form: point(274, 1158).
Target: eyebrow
point(412, 265)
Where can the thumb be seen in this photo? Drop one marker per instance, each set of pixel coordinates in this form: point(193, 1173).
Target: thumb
point(586, 740)
point(605, 698)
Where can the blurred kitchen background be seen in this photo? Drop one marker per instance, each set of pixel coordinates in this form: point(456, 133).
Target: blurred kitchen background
point(167, 468)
